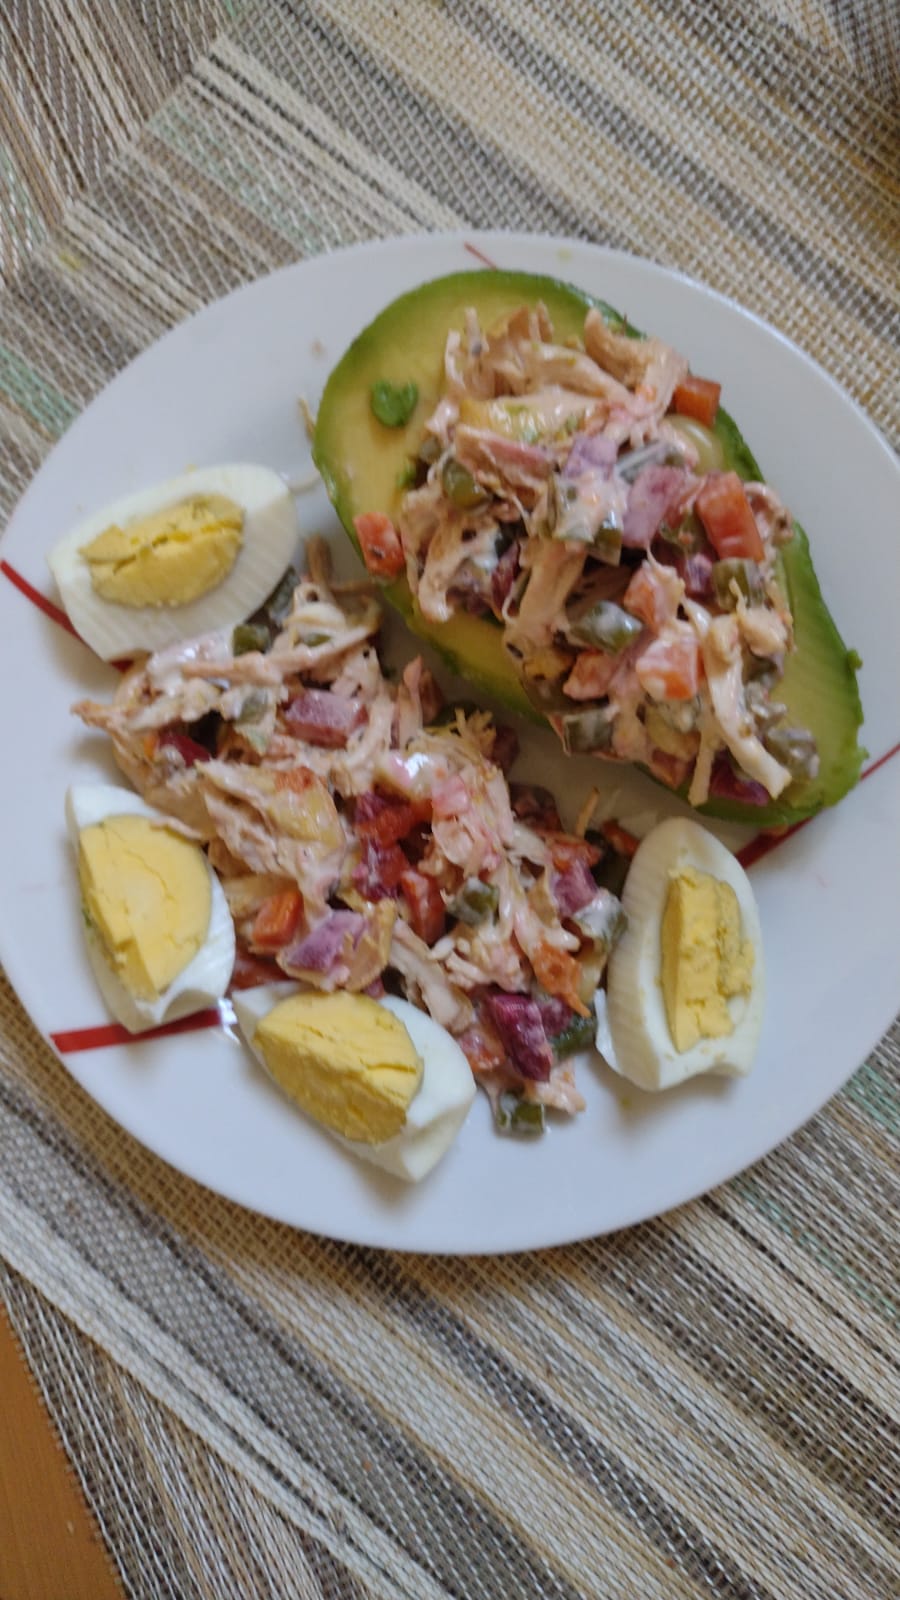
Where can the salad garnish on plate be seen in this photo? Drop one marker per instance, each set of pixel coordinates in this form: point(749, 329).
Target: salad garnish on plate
point(367, 838)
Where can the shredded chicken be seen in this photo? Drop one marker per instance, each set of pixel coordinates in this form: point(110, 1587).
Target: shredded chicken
point(446, 554)
point(647, 366)
point(553, 570)
point(427, 981)
point(722, 661)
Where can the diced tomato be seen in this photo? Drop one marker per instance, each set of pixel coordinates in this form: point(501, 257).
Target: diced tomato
point(276, 920)
point(697, 398)
point(389, 826)
point(417, 843)
point(380, 544)
point(392, 863)
point(190, 750)
point(669, 668)
point(426, 906)
point(620, 839)
point(649, 598)
point(386, 819)
point(672, 770)
point(250, 970)
point(565, 849)
point(558, 973)
point(727, 516)
point(482, 1049)
point(591, 675)
point(296, 780)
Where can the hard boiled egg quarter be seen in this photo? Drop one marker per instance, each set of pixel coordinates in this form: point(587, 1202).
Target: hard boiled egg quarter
point(379, 1068)
point(685, 983)
point(159, 932)
point(197, 553)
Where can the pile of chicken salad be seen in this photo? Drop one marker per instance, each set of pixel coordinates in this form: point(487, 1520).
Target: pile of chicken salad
point(565, 491)
point(368, 839)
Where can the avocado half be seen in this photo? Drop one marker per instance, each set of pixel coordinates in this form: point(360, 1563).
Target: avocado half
point(364, 464)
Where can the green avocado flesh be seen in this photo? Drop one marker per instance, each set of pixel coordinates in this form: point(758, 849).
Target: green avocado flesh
point(363, 464)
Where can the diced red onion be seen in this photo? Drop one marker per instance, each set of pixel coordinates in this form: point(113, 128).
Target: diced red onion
point(655, 495)
point(730, 785)
point(324, 718)
point(696, 574)
point(590, 452)
point(517, 1019)
point(555, 1015)
point(322, 948)
point(573, 888)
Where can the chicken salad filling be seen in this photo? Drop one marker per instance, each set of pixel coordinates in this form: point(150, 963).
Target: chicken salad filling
point(369, 839)
point(564, 491)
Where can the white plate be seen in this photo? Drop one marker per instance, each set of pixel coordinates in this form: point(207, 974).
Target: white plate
point(224, 385)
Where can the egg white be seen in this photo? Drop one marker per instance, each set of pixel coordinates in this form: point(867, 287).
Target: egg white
point(438, 1109)
point(642, 1046)
point(269, 543)
point(204, 980)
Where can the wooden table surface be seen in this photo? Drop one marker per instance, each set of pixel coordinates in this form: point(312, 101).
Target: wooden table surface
point(50, 1548)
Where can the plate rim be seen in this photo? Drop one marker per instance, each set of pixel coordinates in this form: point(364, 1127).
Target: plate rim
point(384, 247)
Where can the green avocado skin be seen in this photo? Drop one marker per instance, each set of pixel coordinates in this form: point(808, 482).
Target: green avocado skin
point(362, 463)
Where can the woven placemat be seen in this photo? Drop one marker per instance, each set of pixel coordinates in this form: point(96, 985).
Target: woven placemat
point(706, 1405)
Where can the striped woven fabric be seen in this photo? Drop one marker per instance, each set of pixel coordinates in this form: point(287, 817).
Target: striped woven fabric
point(706, 1405)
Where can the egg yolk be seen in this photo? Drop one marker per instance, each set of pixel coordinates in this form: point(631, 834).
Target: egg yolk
point(146, 894)
point(705, 961)
point(170, 557)
point(347, 1061)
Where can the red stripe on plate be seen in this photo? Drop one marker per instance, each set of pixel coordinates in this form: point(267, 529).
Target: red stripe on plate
point(37, 599)
point(479, 255)
point(765, 843)
point(888, 754)
point(71, 1040)
point(53, 611)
